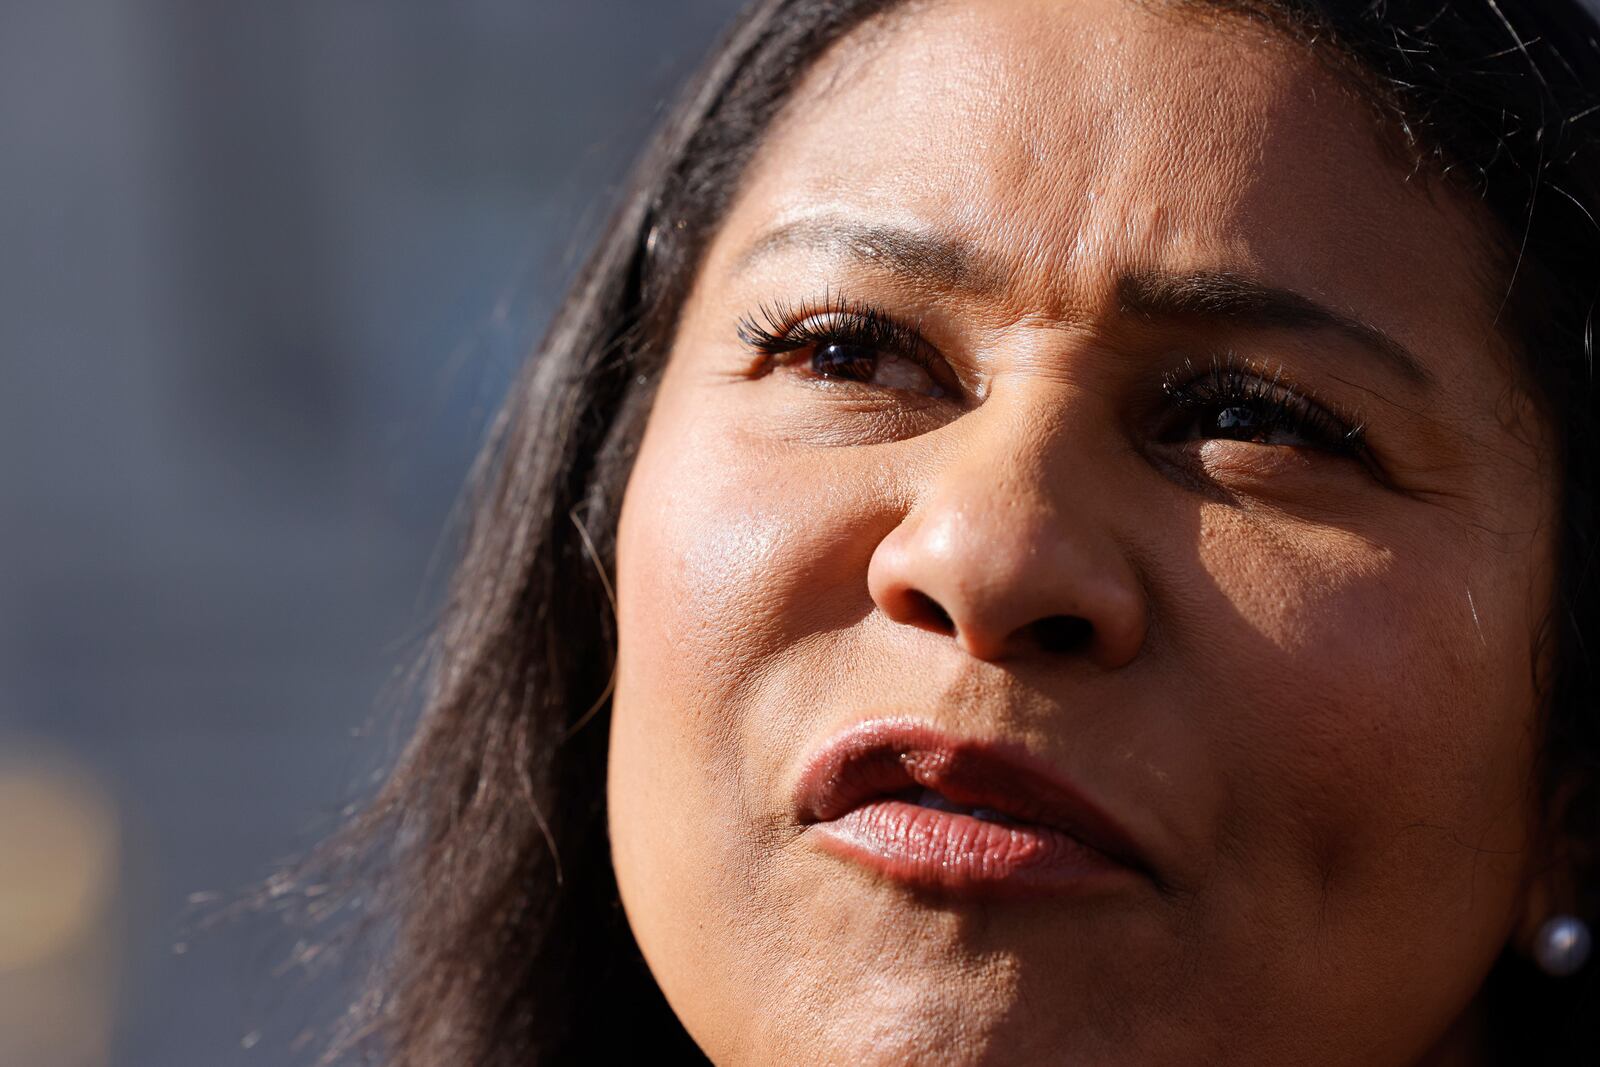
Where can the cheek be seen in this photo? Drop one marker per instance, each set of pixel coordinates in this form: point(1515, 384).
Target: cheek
point(1370, 731)
point(731, 567)
point(727, 561)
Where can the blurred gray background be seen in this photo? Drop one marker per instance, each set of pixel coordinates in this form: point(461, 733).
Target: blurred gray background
point(266, 268)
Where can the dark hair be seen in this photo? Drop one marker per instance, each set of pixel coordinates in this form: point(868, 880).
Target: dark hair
point(486, 850)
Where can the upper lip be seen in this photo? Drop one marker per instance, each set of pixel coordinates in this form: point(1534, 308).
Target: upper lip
point(884, 756)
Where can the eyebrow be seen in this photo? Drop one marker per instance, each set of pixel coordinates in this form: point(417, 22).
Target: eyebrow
point(1235, 298)
point(921, 256)
point(1226, 296)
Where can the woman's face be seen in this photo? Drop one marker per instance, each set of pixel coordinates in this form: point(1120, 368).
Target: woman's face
point(1086, 613)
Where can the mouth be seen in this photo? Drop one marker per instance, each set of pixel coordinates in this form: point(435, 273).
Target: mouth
point(959, 817)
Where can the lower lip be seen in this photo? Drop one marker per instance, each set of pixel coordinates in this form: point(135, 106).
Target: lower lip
point(951, 852)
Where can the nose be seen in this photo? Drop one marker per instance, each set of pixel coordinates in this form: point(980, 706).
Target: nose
point(1012, 562)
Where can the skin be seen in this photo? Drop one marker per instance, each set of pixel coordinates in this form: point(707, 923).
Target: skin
point(1308, 689)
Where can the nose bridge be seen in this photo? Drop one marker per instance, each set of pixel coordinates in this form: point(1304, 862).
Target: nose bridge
point(1011, 546)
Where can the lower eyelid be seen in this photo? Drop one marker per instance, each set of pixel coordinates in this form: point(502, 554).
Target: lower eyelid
point(1252, 457)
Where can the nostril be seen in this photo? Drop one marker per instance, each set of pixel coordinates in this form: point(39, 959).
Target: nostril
point(926, 611)
point(1062, 633)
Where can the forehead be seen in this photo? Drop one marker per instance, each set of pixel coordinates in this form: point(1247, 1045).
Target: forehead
point(1078, 140)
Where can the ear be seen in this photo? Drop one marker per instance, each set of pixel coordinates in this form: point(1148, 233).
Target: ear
point(1553, 886)
point(1543, 899)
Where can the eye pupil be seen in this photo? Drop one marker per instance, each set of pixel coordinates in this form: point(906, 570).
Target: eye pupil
point(856, 362)
point(1237, 420)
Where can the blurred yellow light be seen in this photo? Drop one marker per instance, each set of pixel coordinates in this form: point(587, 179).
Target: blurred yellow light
point(58, 844)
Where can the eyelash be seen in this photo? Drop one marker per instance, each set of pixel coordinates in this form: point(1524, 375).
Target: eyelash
point(779, 328)
point(1223, 384)
point(1227, 383)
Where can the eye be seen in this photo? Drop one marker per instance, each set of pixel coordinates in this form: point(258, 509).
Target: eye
point(849, 342)
point(1231, 402)
point(849, 361)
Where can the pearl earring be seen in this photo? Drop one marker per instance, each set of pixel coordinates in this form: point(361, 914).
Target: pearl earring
point(1562, 946)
